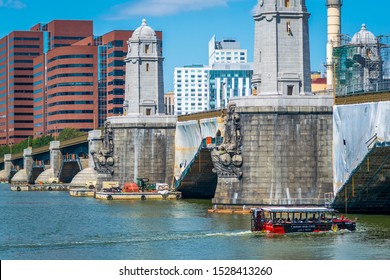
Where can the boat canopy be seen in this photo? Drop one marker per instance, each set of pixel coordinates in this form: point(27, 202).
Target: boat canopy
point(296, 209)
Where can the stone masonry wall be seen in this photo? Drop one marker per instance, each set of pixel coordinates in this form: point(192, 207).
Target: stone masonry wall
point(287, 157)
point(144, 149)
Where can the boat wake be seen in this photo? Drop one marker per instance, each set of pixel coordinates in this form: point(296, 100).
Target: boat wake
point(104, 241)
point(240, 233)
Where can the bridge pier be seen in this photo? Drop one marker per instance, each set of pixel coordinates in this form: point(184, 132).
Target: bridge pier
point(137, 146)
point(55, 157)
point(283, 153)
point(55, 164)
point(89, 174)
point(21, 177)
point(6, 173)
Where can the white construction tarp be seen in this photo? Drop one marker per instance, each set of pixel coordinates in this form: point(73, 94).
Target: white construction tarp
point(189, 136)
point(356, 128)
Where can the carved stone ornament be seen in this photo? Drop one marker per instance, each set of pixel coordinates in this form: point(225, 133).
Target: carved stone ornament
point(227, 158)
point(104, 159)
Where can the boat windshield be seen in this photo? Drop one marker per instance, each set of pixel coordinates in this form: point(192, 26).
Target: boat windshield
point(294, 215)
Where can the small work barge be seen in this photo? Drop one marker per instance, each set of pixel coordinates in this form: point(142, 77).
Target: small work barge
point(131, 191)
point(35, 188)
point(282, 220)
point(138, 195)
point(82, 192)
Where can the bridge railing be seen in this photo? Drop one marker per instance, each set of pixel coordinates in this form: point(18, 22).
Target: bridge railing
point(38, 163)
point(361, 88)
point(70, 157)
point(211, 141)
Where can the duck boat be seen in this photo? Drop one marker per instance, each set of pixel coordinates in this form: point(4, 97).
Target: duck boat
point(282, 220)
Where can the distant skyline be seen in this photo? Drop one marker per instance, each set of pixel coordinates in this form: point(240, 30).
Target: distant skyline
point(188, 25)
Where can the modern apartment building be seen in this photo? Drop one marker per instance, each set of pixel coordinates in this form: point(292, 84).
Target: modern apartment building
point(227, 81)
point(226, 51)
point(200, 88)
point(191, 89)
point(60, 75)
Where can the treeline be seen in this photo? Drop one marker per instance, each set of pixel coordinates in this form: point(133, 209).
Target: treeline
point(65, 134)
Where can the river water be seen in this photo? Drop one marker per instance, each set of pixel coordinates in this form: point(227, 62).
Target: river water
point(55, 226)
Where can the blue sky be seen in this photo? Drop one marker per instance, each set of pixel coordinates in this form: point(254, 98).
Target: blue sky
point(188, 25)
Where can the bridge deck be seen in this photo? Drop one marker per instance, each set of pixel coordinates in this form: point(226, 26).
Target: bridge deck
point(45, 149)
point(362, 98)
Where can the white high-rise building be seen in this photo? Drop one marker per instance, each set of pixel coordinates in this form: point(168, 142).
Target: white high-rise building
point(199, 88)
point(191, 89)
point(226, 51)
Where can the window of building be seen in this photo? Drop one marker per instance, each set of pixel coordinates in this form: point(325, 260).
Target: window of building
point(147, 67)
point(148, 111)
point(288, 26)
point(117, 54)
point(25, 46)
point(67, 66)
point(116, 63)
point(24, 39)
point(24, 54)
point(67, 38)
point(116, 73)
point(116, 43)
point(287, 3)
point(290, 90)
point(146, 48)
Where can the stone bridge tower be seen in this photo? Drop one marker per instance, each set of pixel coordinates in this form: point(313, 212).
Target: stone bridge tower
point(140, 144)
point(144, 73)
point(281, 29)
point(277, 148)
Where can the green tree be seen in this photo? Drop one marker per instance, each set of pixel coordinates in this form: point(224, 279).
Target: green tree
point(69, 133)
point(34, 143)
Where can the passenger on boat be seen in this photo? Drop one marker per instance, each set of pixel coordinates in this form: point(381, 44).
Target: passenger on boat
point(258, 221)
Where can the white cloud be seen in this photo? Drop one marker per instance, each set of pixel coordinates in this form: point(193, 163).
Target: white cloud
point(163, 7)
point(14, 4)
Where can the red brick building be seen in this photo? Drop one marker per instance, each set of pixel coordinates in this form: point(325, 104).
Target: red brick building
point(64, 85)
point(60, 75)
point(17, 52)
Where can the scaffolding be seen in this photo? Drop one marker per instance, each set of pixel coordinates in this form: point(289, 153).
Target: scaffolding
point(362, 66)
